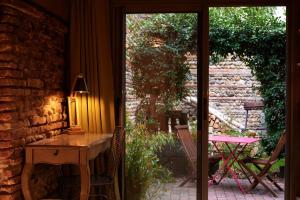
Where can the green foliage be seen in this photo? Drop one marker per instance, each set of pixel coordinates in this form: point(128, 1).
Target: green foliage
point(257, 38)
point(142, 168)
point(274, 169)
point(156, 51)
point(279, 163)
point(159, 43)
point(235, 18)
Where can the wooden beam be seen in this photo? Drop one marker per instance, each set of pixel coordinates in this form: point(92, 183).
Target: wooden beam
point(235, 3)
point(117, 3)
point(201, 7)
point(292, 183)
point(197, 3)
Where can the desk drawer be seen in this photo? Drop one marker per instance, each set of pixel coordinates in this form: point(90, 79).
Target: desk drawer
point(56, 156)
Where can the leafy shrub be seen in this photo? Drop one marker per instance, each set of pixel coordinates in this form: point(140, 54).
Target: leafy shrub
point(142, 169)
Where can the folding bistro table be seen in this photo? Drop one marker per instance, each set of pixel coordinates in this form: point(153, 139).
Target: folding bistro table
point(240, 144)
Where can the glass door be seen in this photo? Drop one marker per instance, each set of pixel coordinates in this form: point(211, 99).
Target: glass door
point(161, 85)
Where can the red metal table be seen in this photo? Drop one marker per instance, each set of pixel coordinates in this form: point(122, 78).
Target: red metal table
point(240, 144)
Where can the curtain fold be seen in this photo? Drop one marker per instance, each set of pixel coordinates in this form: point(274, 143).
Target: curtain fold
point(90, 52)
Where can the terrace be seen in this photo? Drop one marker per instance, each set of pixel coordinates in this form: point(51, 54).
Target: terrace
point(225, 191)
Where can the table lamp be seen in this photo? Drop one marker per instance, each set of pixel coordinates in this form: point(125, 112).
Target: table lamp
point(79, 87)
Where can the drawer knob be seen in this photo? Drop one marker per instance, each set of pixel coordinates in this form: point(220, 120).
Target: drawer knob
point(56, 152)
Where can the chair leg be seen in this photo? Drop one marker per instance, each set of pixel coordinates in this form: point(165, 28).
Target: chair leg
point(253, 185)
point(223, 175)
point(268, 187)
point(258, 179)
point(275, 183)
point(212, 179)
point(185, 181)
point(269, 178)
point(244, 172)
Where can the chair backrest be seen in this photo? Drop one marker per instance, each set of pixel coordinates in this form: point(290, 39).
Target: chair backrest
point(116, 150)
point(278, 148)
point(188, 144)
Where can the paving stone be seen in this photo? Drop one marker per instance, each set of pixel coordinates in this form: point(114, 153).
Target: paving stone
point(226, 190)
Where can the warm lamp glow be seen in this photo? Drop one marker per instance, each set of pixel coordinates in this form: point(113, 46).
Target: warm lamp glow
point(79, 87)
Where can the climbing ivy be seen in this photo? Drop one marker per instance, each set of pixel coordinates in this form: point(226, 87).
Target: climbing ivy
point(258, 38)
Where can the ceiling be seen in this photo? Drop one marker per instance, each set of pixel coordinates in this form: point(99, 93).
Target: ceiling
point(59, 8)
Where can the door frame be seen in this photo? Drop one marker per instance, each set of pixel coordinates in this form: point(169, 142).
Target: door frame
point(122, 7)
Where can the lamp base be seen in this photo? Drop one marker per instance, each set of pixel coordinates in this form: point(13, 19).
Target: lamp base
point(76, 130)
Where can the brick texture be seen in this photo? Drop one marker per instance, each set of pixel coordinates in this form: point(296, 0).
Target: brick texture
point(231, 83)
point(32, 98)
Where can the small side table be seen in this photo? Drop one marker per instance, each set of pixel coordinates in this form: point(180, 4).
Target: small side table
point(240, 145)
point(65, 149)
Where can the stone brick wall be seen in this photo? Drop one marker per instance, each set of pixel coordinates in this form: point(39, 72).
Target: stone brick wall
point(231, 83)
point(32, 98)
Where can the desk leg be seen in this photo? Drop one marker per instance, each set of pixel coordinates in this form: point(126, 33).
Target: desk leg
point(85, 181)
point(25, 181)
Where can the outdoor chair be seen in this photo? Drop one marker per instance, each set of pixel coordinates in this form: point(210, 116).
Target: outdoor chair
point(263, 166)
point(190, 150)
point(106, 180)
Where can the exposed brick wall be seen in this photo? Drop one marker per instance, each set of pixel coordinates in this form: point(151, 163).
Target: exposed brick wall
point(32, 98)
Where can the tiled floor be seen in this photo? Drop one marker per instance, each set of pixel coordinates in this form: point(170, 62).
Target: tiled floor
point(226, 190)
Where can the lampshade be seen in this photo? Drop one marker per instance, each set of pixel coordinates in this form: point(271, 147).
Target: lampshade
point(80, 85)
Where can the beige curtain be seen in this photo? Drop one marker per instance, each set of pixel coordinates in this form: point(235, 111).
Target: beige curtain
point(90, 54)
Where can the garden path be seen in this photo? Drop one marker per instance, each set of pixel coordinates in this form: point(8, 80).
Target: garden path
point(227, 190)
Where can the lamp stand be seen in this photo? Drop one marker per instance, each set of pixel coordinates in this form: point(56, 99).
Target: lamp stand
point(74, 117)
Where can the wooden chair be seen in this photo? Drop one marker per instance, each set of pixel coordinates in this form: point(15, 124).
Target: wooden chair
point(190, 150)
point(107, 179)
point(264, 165)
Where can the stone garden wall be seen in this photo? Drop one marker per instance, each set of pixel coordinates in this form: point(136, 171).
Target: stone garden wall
point(231, 83)
point(32, 98)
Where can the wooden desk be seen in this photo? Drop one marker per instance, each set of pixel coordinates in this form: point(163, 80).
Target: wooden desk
point(65, 149)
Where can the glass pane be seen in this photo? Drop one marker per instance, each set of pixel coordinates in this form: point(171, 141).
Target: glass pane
point(161, 93)
point(247, 91)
